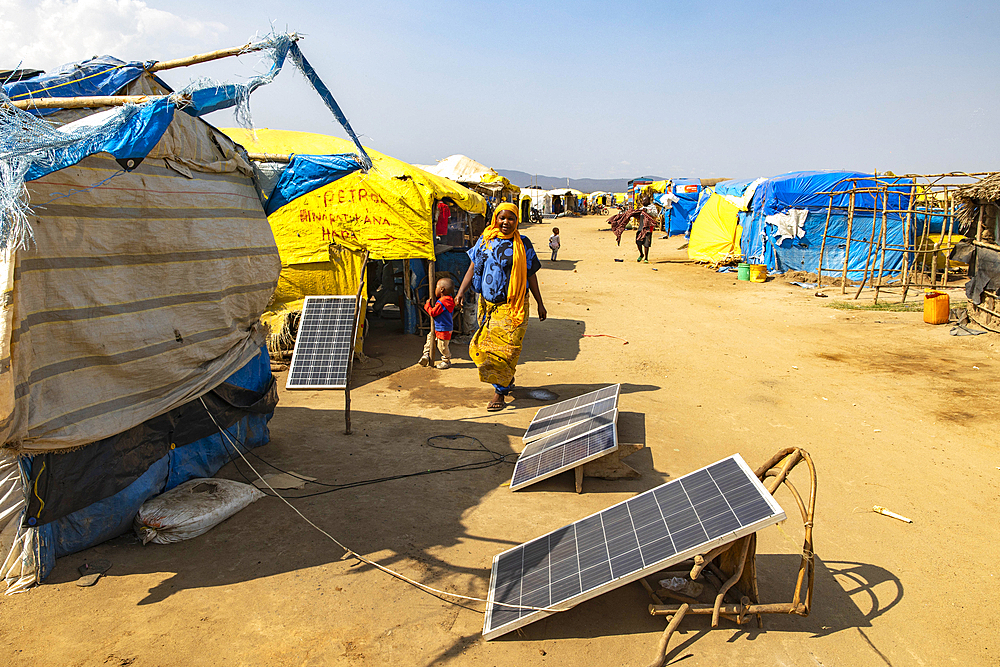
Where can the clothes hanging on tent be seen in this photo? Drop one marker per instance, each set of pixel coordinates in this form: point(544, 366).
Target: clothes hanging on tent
point(790, 224)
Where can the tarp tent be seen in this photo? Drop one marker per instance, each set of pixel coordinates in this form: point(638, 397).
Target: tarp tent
point(137, 298)
point(474, 175)
point(325, 214)
point(717, 230)
point(679, 218)
point(799, 197)
point(715, 234)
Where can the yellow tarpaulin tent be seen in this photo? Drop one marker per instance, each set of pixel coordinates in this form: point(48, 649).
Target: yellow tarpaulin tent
point(321, 235)
point(386, 211)
point(715, 235)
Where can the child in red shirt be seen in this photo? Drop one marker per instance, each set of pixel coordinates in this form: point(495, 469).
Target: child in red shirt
point(441, 312)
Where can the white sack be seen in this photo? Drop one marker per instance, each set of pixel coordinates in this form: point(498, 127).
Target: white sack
point(191, 509)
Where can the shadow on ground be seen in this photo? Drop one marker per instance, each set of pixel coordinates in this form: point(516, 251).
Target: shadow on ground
point(559, 265)
point(850, 595)
point(398, 520)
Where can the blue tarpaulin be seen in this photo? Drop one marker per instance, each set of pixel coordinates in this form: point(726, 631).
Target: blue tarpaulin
point(679, 218)
point(136, 131)
point(803, 190)
point(307, 173)
point(97, 77)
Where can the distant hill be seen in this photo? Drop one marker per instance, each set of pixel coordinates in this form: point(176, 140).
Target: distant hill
point(521, 180)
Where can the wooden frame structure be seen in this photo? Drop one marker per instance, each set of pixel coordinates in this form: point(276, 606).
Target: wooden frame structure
point(929, 199)
point(730, 570)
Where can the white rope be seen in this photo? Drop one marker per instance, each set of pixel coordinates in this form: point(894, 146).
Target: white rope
point(350, 552)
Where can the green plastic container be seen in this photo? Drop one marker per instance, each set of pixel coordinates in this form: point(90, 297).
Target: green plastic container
point(743, 271)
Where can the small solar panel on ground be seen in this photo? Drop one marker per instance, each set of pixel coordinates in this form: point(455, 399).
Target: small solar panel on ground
point(571, 411)
point(648, 533)
point(324, 343)
point(566, 449)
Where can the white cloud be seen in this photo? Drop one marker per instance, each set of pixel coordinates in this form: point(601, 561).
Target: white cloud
point(47, 33)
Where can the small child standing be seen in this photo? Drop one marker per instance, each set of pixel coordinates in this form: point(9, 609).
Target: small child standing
point(441, 311)
point(554, 243)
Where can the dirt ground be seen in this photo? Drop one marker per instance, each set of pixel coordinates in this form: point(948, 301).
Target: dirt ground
point(895, 413)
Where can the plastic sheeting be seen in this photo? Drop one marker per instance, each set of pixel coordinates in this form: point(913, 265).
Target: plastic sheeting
point(715, 235)
point(386, 211)
point(104, 75)
point(679, 218)
point(143, 287)
point(462, 169)
point(803, 190)
point(306, 173)
point(135, 132)
point(37, 548)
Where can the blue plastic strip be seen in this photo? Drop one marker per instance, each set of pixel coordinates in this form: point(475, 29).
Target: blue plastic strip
point(327, 97)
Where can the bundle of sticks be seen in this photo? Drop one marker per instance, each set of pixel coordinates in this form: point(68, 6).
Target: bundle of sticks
point(645, 221)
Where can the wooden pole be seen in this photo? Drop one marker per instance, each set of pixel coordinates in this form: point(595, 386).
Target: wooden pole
point(906, 240)
point(407, 295)
point(354, 338)
point(822, 246)
point(871, 248)
point(847, 250)
point(270, 157)
point(882, 243)
point(431, 286)
point(211, 55)
point(949, 207)
point(85, 102)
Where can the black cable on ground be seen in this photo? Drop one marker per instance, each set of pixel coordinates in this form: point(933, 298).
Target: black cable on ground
point(496, 458)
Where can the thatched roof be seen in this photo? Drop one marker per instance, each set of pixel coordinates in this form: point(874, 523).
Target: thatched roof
point(986, 190)
point(970, 197)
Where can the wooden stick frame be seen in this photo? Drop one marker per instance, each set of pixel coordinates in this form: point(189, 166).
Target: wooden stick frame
point(930, 196)
point(732, 567)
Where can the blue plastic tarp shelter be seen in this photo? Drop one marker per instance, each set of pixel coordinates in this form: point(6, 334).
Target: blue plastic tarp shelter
point(810, 191)
point(680, 216)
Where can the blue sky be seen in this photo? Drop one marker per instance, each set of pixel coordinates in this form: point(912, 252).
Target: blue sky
point(588, 89)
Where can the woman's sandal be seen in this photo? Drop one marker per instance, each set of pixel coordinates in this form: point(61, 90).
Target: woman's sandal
point(494, 406)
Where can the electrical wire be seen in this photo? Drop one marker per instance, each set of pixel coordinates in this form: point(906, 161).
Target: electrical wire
point(350, 553)
point(496, 458)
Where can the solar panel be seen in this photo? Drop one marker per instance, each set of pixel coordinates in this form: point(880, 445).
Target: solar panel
point(566, 449)
point(640, 536)
point(324, 343)
point(571, 411)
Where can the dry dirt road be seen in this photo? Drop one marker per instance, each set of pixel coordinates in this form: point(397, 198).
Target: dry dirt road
point(894, 412)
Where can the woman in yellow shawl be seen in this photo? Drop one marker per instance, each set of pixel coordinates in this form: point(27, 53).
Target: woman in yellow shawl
point(503, 270)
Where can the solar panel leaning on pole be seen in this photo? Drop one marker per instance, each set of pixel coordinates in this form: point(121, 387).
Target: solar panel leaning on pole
point(566, 449)
point(640, 536)
point(572, 411)
point(324, 343)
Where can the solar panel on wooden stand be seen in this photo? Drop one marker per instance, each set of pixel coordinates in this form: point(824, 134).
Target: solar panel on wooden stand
point(648, 533)
point(572, 411)
point(566, 449)
point(324, 343)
